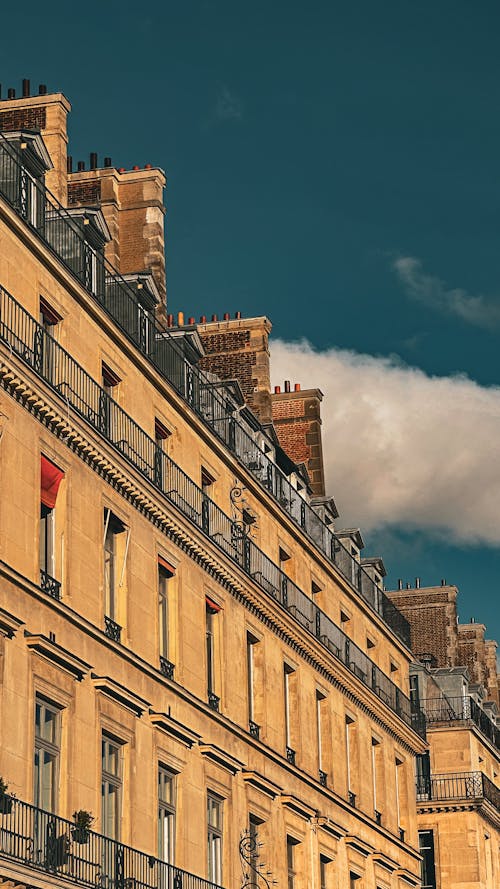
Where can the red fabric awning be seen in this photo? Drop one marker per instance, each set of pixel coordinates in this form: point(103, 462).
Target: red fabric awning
point(211, 605)
point(166, 565)
point(50, 479)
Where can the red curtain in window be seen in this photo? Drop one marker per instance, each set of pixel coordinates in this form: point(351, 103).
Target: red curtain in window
point(50, 479)
point(212, 606)
point(166, 565)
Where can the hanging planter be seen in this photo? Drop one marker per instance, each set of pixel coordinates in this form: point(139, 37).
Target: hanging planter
point(83, 823)
point(6, 799)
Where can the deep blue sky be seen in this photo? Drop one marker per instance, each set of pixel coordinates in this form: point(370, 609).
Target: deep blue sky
point(306, 146)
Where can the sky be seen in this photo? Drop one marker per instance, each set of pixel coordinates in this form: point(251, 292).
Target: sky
point(334, 166)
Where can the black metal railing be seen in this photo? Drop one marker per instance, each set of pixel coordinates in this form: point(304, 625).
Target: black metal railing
point(323, 777)
point(50, 585)
point(254, 729)
point(112, 629)
point(213, 701)
point(458, 786)
point(46, 842)
point(167, 667)
point(290, 755)
point(460, 709)
point(65, 235)
point(78, 391)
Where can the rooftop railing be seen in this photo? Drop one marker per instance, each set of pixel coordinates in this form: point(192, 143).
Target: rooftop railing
point(459, 786)
point(49, 843)
point(444, 710)
point(78, 391)
point(65, 235)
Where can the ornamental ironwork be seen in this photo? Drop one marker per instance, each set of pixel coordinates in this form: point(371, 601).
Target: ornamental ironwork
point(254, 873)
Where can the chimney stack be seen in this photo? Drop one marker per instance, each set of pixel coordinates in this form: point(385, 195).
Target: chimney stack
point(287, 385)
point(93, 160)
point(26, 89)
point(417, 583)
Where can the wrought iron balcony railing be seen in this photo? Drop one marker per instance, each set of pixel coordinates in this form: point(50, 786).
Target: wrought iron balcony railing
point(49, 585)
point(64, 235)
point(112, 629)
point(444, 710)
point(78, 391)
point(48, 843)
point(458, 786)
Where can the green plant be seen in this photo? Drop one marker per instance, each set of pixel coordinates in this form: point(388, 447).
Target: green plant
point(83, 819)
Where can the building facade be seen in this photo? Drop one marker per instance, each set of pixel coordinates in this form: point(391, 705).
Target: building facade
point(190, 651)
point(454, 683)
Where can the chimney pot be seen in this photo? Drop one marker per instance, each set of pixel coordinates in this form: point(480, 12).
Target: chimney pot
point(69, 164)
point(81, 166)
point(0, 92)
point(214, 317)
point(227, 316)
point(26, 88)
point(277, 390)
point(180, 319)
point(297, 387)
point(121, 169)
point(443, 581)
point(148, 167)
point(237, 315)
point(42, 89)
point(417, 583)
point(191, 321)
point(400, 584)
point(170, 320)
point(287, 385)
point(11, 93)
point(408, 587)
point(107, 162)
point(203, 319)
point(93, 160)
point(135, 167)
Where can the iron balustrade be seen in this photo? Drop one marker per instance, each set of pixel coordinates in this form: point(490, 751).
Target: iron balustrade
point(112, 629)
point(460, 709)
point(459, 786)
point(47, 842)
point(65, 235)
point(50, 585)
point(167, 667)
point(78, 391)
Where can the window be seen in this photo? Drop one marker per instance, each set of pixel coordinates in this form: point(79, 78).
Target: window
point(50, 479)
point(47, 754)
point(377, 779)
point(414, 694)
point(291, 843)
point(207, 480)
point(161, 436)
point(324, 872)
point(214, 837)
point(211, 612)
point(109, 381)
point(402, 801)
point(111, 787)
point(428, 870)
point(290, 703)
point(351, 754)
point(423, 775)
point(322, 735)
point(353, 879)
point(254, 824)
point(166, 814)
point(165, 573)
point(116, 540)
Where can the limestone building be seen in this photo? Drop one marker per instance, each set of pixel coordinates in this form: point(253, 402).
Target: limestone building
point(454, 683)
point(190, 650)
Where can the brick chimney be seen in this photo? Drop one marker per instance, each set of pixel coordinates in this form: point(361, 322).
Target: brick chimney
point(238, 348)
point(132, 205)
point(48, 114)
point(297, 420)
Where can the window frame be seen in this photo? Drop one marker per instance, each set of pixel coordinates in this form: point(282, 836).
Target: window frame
point(45, 746)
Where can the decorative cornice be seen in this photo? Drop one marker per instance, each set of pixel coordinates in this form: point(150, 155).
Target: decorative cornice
point(175, 729)
point(51, 651)
point(363, 848)
point(221, 758)
point(383, 861)
point(120, 694)
point(264, 785)
point(331, 827)
point(298, 806)
point(9, 624)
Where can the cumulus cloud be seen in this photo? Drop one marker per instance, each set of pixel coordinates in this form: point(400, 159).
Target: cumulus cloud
point(433, 292)
point(403, 449)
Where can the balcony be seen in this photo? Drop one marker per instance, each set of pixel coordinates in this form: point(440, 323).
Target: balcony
point(65, 237)
point(112, 629)
point(77, 390)
point(462, 786)
point(44, 842)
point(460, 710)
point(167, 667)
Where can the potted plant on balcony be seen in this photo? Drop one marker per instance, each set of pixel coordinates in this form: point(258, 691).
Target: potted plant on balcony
point(6, 799)
point(83, 822)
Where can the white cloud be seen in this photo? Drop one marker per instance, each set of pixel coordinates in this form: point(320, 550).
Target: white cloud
point(432, 292)
point(401, 448)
